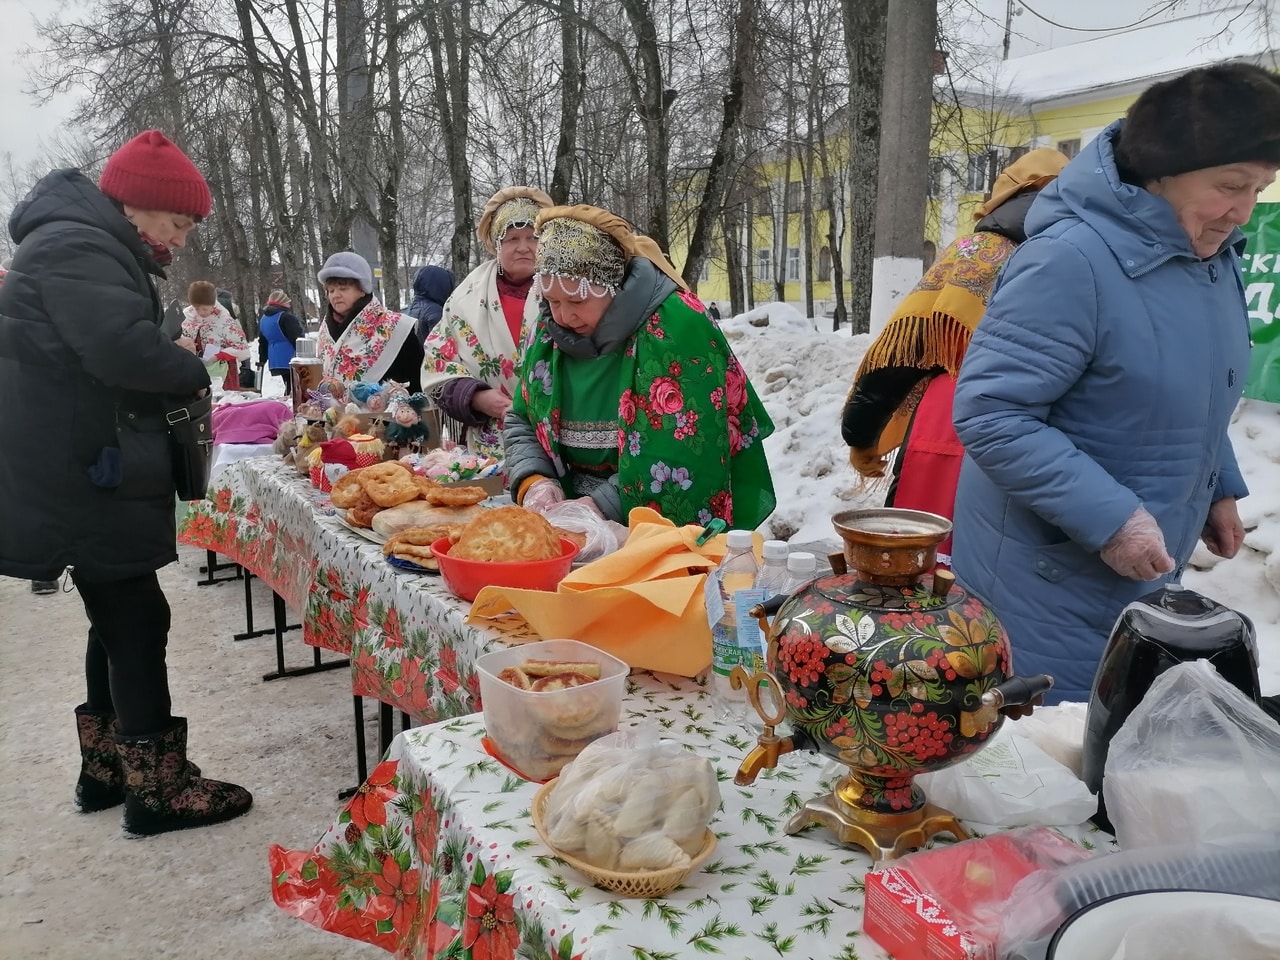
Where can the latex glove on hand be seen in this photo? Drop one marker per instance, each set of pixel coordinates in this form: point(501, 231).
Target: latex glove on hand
point(543, 495)
point(1137, 549)
point(1223, 533)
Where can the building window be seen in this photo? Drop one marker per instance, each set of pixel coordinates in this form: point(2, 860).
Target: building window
point(824, 265)
point(1069, 147)
point(982, 170)
point(764, 264)
point(793, 263)
point(795, 195)
point(936, 166)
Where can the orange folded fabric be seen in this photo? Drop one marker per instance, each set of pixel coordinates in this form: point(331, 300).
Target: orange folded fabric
point(644, 604)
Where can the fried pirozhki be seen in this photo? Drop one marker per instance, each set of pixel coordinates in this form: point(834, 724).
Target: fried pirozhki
point(419, 537)
point(549, 668)
point(453, 496)
point(388, 484)
point(507, 535)
point(362, 514)
point(347, 491)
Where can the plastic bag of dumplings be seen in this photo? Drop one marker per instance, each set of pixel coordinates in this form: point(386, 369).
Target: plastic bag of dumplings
point(631, 802)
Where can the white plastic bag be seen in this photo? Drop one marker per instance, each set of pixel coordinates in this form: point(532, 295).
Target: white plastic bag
point(1011, 782)
point(633, 803)
point(603, 536)
point(1196, 760)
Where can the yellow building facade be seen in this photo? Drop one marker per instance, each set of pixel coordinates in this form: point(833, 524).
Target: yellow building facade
point(972, 141)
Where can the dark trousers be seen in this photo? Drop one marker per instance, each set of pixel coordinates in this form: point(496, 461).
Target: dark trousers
point(125, 661)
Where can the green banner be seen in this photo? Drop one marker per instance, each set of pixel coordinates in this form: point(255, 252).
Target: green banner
point(1261, 266)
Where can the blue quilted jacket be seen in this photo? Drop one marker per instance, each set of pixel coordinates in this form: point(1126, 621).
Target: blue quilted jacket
point(1103, 376)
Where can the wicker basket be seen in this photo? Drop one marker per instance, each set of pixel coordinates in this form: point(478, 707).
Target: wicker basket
point(639, 883)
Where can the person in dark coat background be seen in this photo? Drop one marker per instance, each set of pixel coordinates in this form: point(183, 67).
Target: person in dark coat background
point(81, 342)
point(431, 288)
point(278, 332)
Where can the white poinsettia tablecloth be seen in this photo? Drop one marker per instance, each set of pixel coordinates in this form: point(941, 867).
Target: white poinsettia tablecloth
point(436, 857)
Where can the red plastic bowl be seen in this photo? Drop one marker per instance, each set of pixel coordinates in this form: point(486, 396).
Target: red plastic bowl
point(466, 578)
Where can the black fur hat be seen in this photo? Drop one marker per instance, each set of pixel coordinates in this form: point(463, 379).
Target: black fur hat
point(1204, 118)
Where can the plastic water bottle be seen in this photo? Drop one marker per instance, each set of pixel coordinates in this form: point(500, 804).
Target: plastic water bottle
point(801, 568)
point(737, 571)
point(773, 572)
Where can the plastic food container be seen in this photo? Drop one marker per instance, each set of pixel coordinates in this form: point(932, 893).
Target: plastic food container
point(537, 733)
point(466, 578)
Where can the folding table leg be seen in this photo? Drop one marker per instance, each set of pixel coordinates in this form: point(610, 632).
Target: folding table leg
point(386, 729)
point(249, 632)
point(362, 762)
point(212, 566)
point(317, 665)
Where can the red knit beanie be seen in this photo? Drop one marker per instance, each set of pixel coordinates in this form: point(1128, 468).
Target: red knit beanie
point(150, 173)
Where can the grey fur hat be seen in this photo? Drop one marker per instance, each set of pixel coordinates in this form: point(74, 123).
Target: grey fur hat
point(347, 266)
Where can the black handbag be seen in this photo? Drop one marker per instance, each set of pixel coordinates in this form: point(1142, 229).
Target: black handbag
point(191, 446)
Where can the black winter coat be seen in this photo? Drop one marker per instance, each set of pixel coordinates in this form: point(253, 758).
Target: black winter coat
point(85, 366)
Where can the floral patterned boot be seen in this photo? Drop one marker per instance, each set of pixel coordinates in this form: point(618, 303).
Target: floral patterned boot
point(164, 792)
point(101, 784)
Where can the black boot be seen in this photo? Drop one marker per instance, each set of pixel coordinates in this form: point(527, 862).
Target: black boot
point(101, 783)
point(162, 790)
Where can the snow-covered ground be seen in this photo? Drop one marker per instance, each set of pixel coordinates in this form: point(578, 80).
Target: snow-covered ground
point(803, 374)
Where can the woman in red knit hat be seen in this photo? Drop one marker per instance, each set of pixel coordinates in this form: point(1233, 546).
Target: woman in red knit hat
point(80, 337)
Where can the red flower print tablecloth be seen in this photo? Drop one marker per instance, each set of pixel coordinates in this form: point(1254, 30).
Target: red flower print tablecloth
point(406, 634)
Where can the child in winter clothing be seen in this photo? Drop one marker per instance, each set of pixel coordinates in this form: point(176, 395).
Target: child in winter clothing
point(216, 333)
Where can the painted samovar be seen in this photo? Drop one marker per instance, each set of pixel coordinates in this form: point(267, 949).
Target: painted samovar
point(888, 669)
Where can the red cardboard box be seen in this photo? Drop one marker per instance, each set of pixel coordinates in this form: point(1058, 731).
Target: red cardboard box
point(944, 904)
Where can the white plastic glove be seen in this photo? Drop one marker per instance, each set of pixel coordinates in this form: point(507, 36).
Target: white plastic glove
point(1137, 549)
point(543, 495)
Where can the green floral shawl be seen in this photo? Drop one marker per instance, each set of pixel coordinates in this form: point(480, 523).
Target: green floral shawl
point(690, 426)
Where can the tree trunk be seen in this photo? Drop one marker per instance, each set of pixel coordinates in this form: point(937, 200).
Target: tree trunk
point(732, 224)
point(742, 57)
point(356, 142)
point(905, 127)
point(450, 64)
point(288, 241)
point(864, 31)
point(393, 162)
point(572, 82)
point(654, 106)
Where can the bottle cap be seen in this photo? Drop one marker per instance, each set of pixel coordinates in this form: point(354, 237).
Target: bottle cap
point(775, 550)
point(740, 540)
point(305, 348)
point(801, 562)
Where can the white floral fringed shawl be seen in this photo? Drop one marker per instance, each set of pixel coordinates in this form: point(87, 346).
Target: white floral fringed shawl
point(473, 340)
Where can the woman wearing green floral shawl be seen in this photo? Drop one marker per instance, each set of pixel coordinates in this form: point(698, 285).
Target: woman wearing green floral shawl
point(629, 395)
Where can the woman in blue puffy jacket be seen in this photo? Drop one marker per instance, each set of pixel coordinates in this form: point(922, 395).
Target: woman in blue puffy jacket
point(1094, 400)
point(278, 331)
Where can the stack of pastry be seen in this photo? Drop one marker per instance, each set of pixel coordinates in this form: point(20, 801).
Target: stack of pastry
point(367, 493)
point(539, 735)
point(627, 809)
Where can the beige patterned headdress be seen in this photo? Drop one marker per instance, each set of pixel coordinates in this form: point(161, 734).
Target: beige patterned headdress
point(509, 207)
point(594, 246)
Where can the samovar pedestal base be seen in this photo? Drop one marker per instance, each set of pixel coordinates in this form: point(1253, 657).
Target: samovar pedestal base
point(884, 836)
